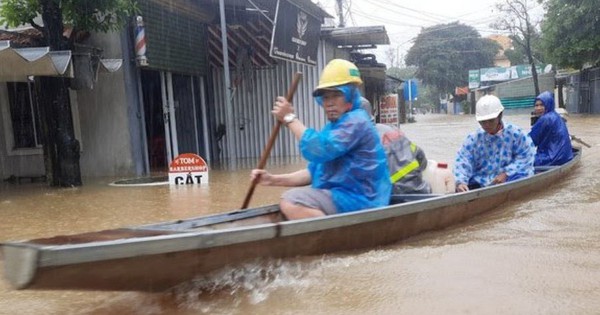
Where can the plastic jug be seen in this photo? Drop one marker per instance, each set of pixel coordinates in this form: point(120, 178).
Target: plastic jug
point(440, 177)
point(429, 171)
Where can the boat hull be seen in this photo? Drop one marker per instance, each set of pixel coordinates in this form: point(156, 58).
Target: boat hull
point(175, 255)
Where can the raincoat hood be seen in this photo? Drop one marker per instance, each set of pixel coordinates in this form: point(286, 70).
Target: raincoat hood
point(550, 135)
point(548, 99)
point(351, 93)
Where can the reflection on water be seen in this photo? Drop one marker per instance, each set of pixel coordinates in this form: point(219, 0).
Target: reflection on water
point(541, 253)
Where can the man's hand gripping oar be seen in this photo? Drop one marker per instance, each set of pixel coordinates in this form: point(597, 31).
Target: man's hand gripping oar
point(267, 150)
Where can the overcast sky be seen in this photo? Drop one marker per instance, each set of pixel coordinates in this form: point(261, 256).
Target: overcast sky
point(403, 19)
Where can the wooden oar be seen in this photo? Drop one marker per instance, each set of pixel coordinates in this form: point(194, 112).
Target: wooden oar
point(267, 151)
point(578, 140)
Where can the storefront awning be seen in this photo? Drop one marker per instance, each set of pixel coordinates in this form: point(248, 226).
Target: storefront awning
point(110, 65)
point(16, 64)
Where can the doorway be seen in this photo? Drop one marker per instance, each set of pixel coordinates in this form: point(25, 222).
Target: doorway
point(153, 113)
point(174, 115)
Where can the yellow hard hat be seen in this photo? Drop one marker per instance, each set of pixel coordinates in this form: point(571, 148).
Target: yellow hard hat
point(338, 72)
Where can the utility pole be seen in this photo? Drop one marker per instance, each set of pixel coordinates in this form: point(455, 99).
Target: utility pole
point(341, 13)
point(409, 100)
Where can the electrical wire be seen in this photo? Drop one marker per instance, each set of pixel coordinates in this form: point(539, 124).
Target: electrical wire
point(405, 34)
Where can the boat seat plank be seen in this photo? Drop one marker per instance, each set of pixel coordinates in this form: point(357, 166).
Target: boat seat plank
point(210, 222)
point(105, 235)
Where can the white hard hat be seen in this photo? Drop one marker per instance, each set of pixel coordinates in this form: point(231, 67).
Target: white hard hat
point(488, 107)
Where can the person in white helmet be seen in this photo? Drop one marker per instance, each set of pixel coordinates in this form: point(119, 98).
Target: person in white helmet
point(496, 153)
point(346, 162)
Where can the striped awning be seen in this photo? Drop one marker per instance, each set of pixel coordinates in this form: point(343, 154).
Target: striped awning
point(16, 64)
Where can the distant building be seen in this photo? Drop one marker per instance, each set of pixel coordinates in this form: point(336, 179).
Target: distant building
point(500, 60)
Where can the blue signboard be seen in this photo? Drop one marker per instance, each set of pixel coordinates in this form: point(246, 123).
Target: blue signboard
point(410, 90)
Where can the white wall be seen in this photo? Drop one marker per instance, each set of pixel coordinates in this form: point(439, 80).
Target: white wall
point(104, 119)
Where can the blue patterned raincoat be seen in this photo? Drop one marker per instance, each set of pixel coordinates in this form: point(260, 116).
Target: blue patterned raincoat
point(482, 156)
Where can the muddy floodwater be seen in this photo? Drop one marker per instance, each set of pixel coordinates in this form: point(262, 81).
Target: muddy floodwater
point(536, 255)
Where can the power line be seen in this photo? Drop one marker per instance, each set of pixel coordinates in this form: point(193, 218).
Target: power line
point(357, 10)
point(402, 22)
point(401, 14)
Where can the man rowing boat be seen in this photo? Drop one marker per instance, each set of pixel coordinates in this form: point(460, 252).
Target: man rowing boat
point(347, 168)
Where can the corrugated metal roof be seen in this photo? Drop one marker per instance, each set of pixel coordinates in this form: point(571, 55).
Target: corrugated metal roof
point(25, 38)
point(249, 32)
point(248, 45)
point(268, 6)
point(358, 37)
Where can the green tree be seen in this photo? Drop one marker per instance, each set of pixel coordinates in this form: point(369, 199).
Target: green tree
point(61, 149)
point(444, 53)
point(516, 19)
point(518, 55)
point(571, 32)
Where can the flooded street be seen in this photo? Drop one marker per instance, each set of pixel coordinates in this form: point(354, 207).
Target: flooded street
point(538, 255)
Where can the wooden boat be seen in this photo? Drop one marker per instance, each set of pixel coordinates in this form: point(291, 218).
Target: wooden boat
point(156, 257)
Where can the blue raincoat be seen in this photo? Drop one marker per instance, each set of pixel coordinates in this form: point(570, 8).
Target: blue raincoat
point(347, 158)
point(550, 135)
point(482, 156)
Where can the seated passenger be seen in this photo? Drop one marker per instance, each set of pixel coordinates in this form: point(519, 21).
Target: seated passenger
point(496, 153)
point(406, 161)
point(550, 134)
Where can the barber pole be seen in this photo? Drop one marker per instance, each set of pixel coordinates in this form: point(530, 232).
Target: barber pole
point(140, 42)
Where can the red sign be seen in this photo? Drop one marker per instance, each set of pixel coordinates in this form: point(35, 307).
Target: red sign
point(188, 162)
point(388, 109)
point(188, 169)
point(461, 90)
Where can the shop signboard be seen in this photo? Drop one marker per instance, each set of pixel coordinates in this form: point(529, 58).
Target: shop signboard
point(523, 71)
point(494, 74)
point(388, 109)
point(295, 34)
point(188, 169)
point(473, 79)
